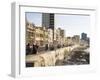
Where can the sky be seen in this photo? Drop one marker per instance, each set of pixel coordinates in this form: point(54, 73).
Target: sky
point(35, 18)
point(72, 24)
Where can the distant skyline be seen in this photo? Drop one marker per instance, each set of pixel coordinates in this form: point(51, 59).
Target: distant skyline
point(72, 24)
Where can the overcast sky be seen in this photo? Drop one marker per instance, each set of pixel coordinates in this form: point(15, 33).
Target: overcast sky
point(72, 24)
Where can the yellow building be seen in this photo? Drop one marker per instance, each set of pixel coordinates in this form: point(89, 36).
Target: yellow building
point(45, 33)
point(76, 39)
point(43, 36)
point(30, 33)
point(39, 35)
point(68, 40)
point(50, 36)
point(36, 34)
point(59, 36)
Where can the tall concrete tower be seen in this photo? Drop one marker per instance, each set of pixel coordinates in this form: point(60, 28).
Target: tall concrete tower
point(48, 21)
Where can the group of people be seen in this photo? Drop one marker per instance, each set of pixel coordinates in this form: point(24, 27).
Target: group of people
point(31, 50)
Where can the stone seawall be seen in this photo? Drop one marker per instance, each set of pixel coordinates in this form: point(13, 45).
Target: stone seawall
point(49, 58)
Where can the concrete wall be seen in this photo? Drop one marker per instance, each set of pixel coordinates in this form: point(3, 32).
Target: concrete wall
point(49, 58)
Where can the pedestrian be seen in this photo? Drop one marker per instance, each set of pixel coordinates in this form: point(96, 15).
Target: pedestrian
point(35, 49)
point(46, 47)
point(28, 49)
point(37, 46)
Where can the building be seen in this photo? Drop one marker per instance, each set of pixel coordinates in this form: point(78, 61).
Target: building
point(85, 39)
point(45, 35)
point(36, 34)
point(88, 40)
point(30, 33)
point(68, 40)
point(39, 36)
point(84, 36)
point(48, 21)
point(62, 34)
point(45, 20)
point(59, 35)
point(56, 36)
point(76, 39)
point(50, 36)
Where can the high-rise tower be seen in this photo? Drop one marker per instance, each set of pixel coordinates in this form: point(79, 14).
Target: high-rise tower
point(48, 21)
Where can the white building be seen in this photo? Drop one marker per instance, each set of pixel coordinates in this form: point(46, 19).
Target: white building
point(50, 36)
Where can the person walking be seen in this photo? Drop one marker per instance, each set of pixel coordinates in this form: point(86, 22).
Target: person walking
point(46, 47)
point(28, 49)
point(35, 49)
